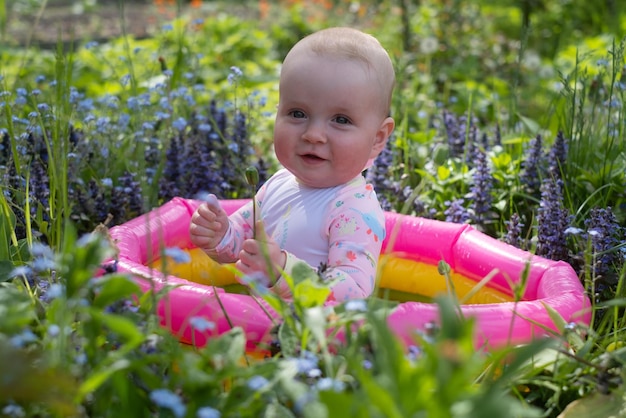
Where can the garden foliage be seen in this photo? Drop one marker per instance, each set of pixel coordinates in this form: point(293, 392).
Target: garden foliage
point(522, 138)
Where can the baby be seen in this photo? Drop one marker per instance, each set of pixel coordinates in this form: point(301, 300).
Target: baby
point(332, 120)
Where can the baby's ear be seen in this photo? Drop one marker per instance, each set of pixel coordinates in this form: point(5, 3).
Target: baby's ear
point(382, 135)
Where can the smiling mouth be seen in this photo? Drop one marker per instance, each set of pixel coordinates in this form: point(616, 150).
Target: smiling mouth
point(312, 158)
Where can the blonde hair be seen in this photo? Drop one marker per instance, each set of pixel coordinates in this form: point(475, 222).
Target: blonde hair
point(353, 44)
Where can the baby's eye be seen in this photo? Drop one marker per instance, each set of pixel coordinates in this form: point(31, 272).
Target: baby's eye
point(298, 114)
point(342, 120)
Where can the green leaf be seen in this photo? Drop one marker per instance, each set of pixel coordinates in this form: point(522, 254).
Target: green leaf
point(301, 272)
point(81, 258)
point(597, 405)
point(114, 288)
point(6, 267)
point(443, 172)
point(121, 326)
point(230, 346)
point(288, 340)
point(531, 125)
point(101, 375)
point(276, 410)
point(16, 309)
point(315, 320)
point(556, 317)
point(308, 294)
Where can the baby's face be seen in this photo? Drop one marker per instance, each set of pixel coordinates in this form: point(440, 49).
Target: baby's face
point(330, 119)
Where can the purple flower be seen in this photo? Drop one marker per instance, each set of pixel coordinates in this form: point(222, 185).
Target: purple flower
point(514, 231)
point(557, 156)
point(530, 173)
point(606, 234)
point(480, 191)
point(456, 212)
point(455, 129)
point(552, 221)
point(379, 175)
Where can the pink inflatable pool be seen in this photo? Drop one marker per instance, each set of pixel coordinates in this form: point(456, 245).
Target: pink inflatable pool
point(470, 254)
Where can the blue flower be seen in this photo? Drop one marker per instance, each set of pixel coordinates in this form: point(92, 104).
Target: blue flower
point(21, 271)
point(53, 330)
point(314, 373)
point(201, 324)
point(414, 353)
point(573, 231)
point(208, 412)
point(56, 290)
point(257, 280)
point(235, 74)
point(307, 362)
point(125, 80)
point(41, 264)
point(256, 383)
point(356, 305)
point(204, 127)
point(328, 383)
point(178, 255)
point(165, 398)
point(12, 410)
point(179, 124)
point(22, 339)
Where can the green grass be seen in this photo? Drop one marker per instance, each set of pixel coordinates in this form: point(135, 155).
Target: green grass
point(89, 133)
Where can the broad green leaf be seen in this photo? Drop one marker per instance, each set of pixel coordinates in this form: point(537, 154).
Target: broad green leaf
point(115, 288)
point(597, 405)
point(101, 375)
point(16, 309)
point(315, 320)
point(308, 294)
point(443, 173)
point(230, 345)
point(288, 340)
point(556, 317)
point(121, 326)
point(531, 125)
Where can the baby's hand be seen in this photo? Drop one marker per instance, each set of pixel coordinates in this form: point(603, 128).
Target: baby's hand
point(257, 253)
point(209, 224)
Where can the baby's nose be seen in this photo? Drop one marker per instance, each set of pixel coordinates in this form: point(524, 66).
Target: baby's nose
point(314, 133)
